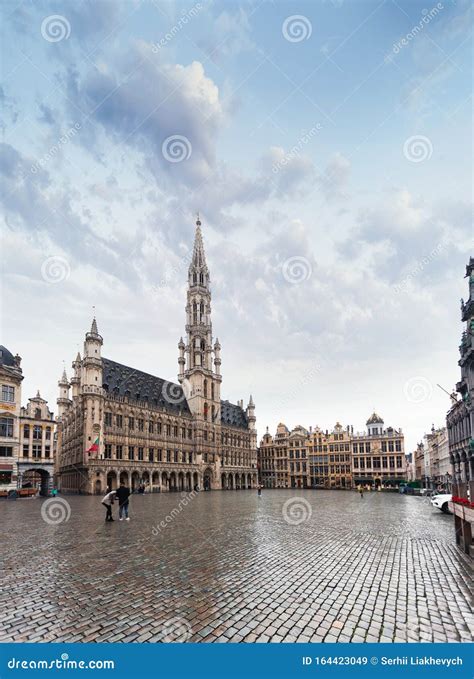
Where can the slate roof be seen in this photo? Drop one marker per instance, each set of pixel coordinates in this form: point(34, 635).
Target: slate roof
point(374, 419)
point(233, 415)
point(121, 380)
point(6, 357)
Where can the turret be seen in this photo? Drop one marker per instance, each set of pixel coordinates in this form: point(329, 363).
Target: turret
point(76, 379)
point(63, 399)
point(181, 359)
point(92, 362)
point(251, 414)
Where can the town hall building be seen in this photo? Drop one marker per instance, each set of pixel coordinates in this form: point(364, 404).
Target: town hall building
point(116, 423)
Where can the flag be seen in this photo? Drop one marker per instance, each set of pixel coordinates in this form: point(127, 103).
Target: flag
point(94, 447)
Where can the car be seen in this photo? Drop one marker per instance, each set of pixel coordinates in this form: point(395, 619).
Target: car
point(441, 502)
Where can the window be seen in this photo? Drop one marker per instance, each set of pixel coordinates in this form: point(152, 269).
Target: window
point(6, 451)
point(131, 423)
point(48, 433)
point(158, 427)
point(168, 430)
point(390, 446)
point(36, 448)
point(159, 455)
point(384, 446)
point(131, 452)
point(6, 427)
point(384, 462)
point(376, 463)
point(119, 451)
point(175, 432)
point(140, 454)
point(168, 456)
point(367, 447)
point(150, 427)
point(398, 446)
point(108, 419)
point(119, 421)
point(205, 388)
point(356, 463)
point(37, 432)
point(141, 425)
point(108, 451)
point(175, 456)
point(8, 393)
point(190, 434)
point(47, 451)
point(26, 431)
point(399, 462)
point(151, 454)
point(26, 449)
point(205, 434)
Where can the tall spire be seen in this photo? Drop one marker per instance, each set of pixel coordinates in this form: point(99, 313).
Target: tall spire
point(199, 258)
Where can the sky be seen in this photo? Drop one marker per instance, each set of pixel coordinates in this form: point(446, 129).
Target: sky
point(327, 146)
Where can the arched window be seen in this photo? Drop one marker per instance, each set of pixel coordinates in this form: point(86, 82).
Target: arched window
point(205, 388)
point(194, 278)
point(195, 313)
point(212, 391)
point(206, 411)
point(203, 345)
point(201, 278)
point(213, 413)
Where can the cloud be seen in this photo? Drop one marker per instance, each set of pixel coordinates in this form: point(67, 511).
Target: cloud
point(143, 103)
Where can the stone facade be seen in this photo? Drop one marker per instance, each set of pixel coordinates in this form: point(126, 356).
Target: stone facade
point(118, 423)
point(36, 460)
point(336, 459)
point(11, 376)
point(460, 418)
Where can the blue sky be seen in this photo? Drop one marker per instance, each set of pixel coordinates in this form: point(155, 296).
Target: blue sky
point(336, 132)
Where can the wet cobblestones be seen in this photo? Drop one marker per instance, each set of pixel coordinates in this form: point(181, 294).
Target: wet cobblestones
point(227, 566)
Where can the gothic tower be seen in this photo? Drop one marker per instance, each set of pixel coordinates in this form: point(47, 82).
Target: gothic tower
point(91, 389)
point(199, 359)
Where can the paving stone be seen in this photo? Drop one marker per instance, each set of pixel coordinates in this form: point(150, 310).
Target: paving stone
point(390, 573)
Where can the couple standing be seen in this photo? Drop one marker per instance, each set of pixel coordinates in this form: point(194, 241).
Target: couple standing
point(122, 494)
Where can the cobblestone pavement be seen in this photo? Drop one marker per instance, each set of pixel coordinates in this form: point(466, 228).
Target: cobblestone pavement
point(230, 566)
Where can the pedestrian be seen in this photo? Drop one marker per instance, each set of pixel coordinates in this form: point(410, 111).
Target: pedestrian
point(361, 491)
point(123, 494)
point(259, 489)
point(108, 501)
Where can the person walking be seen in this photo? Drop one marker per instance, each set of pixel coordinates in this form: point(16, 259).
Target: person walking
point(108, 501)
point(361, 491)
point(259, 489)
point(123, 494)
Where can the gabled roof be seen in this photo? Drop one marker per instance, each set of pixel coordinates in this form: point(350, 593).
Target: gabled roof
point(121, 380)
point(374, 419)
